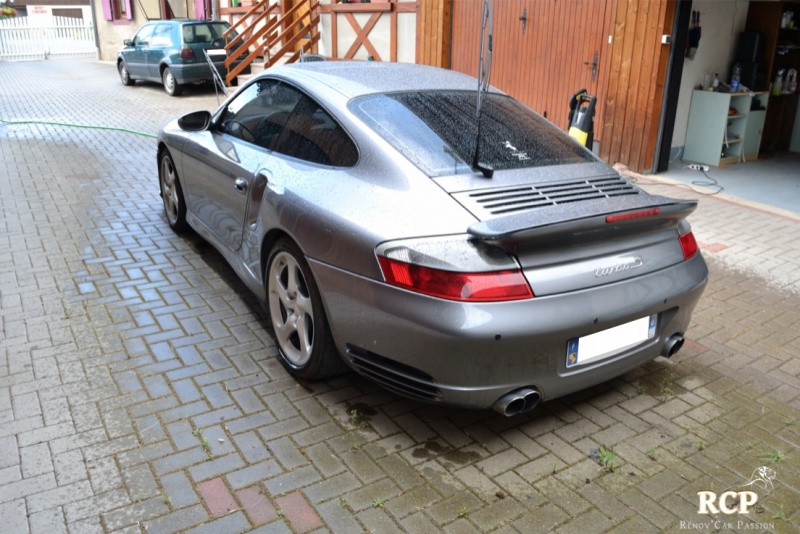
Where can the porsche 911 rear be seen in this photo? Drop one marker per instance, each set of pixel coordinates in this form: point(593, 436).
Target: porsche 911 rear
point(508, 319)
point(475, 259)
point(569, 276)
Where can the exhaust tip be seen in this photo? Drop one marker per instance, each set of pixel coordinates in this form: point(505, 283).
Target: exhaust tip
point(518, 401)
point(672, 345)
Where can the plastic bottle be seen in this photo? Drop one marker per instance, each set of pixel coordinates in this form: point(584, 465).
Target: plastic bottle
point(715, 83)
point(777, 85)
point(736, 77)
point(706, 81)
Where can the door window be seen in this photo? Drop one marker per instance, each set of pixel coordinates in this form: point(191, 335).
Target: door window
point(258, 113)
point(162, 36)
point(142, 37)
point(278, 117)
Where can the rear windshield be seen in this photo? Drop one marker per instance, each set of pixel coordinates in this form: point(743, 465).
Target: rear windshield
point(437, 131)
point(204, 32)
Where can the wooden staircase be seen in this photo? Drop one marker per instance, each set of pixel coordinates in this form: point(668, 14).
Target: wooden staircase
point(269, 34)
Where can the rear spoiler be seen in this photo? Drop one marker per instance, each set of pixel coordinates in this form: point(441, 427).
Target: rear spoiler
point(584, 216)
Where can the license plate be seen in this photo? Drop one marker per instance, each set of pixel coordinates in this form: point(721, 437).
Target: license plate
point(610, 342)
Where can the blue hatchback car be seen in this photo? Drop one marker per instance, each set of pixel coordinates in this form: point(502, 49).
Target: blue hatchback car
point(171, 52)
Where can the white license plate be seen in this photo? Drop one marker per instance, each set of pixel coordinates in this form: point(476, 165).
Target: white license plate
point(609, 342)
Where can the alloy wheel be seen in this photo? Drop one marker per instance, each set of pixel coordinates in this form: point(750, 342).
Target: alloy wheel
point(291, 309)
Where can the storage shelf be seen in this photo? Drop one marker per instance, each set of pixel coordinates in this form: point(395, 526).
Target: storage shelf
point(712, 132)
point(729, 160)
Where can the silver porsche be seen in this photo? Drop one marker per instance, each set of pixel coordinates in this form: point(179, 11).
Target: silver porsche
point(449, 244)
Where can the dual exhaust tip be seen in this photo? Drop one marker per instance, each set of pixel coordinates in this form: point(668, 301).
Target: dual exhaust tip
point(526, 399)
point(672, 345)
point(518, 401)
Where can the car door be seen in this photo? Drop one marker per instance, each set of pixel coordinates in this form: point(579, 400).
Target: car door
point(135, 56)
point(162, 44)
point(220, 165)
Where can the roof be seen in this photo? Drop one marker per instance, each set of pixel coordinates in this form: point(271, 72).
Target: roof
point(356, 78)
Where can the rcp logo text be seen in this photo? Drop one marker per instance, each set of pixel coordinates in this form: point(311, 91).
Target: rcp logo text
point(729, 502)
point(738, 502)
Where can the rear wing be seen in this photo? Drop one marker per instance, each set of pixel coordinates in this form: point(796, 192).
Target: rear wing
point(585, 216)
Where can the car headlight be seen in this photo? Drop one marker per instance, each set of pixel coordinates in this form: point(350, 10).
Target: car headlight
point(454, 268)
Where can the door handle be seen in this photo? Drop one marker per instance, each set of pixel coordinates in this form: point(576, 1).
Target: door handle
point(241, 185)
point(594, 66)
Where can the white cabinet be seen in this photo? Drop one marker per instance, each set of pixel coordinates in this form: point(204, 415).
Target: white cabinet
point(723, 129)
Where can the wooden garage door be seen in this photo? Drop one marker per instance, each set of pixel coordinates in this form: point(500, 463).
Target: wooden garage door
point(544, 50)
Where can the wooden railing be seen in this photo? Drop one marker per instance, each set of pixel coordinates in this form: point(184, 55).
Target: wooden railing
point(264, 31)
point(376, 9)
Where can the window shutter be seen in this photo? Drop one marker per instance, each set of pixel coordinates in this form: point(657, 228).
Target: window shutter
point(128, 13)
point(200, 9)
point(107, 10)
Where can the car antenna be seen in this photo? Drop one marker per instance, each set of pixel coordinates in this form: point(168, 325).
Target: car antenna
point(484, 68)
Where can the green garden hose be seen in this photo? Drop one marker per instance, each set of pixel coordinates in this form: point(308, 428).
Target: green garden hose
point(50, 123)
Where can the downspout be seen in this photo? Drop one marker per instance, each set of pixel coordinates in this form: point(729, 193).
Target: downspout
point(94, 30)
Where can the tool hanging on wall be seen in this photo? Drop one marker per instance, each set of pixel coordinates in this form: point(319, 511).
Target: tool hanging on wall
point(693, 37)
point(581, 118)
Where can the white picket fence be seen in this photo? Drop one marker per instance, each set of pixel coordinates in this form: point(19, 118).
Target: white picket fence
point(65, 36)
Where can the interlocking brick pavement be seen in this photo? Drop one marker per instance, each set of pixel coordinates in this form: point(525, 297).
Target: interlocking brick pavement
point(139, 391)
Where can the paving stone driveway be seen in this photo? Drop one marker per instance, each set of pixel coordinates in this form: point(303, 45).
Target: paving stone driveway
point(140, 393)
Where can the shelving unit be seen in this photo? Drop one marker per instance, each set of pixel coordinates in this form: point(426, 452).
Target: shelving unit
point(781, 52)
point(754, 127)
point(723, 129)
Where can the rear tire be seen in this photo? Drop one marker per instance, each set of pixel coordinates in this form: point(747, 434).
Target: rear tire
point(172, 193)
point(171, 85)
point(297, 318)
point(124, 75)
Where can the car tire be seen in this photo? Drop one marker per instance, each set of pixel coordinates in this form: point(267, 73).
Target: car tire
point(172, 193)
point(124, 75)
point(297, 318)
point(171, 85)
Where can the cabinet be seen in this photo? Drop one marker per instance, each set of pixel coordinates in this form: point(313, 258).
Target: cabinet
point(723, 128)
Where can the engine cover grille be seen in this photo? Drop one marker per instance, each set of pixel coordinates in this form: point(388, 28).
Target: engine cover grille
point(516, 199)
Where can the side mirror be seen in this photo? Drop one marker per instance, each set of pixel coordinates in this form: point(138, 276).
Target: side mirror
point(128, 42)
point(196, 121)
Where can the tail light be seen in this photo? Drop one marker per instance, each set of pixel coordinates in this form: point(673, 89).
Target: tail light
point(688, 245)
point(453, 268)
point(186, 53)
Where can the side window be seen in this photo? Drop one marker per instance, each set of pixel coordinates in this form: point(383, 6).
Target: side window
point(162, 36)
point(258, 113)
point(312, 135)
point(143, 35)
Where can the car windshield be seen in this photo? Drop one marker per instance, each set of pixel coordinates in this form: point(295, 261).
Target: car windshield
point(437, 131)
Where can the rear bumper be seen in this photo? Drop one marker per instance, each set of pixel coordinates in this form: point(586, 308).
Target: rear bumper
point(200, 72)
point(471, 354)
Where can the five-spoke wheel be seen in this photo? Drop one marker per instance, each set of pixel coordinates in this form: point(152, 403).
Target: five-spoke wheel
point(172, 193)
point(297, 317)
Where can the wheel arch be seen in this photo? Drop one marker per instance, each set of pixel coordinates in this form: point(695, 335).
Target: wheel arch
point(162, 148)
point(269, 240)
